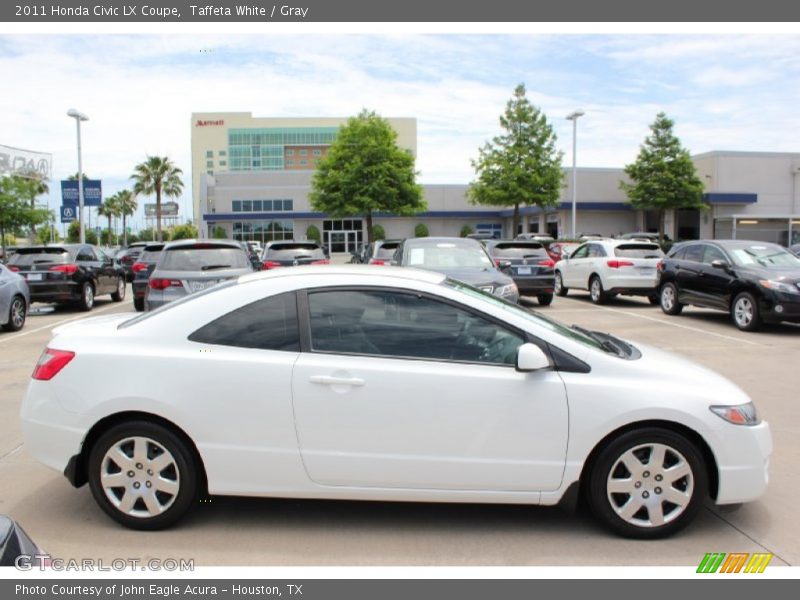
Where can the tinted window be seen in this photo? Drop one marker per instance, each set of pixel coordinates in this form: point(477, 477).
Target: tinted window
point(447, 255)
point(388, 323)
point(35, 256)
point(713, 253)
point(596, 250)
point(678, 253)
point(86, 254)
point(694, 253)
point(268, 324)
point(293, 249)
point(638, 251)
point(203, 258)
point(518, 249)
point(149, 256)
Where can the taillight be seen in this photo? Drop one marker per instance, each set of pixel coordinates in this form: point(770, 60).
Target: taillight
point(139, 267)
point(68, 269)
point(616, 264)
point(15, 269)
point(50, 363)
point(322, 261)
point(162, 284)
point(660, 265)
point(376, 261)
point(270, 264)
point(547, 263)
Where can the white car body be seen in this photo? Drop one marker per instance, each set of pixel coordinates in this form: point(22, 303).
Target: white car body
point(608, 261)
point(396, 429)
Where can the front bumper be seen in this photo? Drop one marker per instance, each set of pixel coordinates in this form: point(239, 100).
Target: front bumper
point(742, 454)
point(780, 306)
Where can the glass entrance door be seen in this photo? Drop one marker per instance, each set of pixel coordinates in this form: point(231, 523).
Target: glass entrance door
point(341, 241)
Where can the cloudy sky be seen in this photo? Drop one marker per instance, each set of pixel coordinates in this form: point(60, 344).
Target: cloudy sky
point(725, 92)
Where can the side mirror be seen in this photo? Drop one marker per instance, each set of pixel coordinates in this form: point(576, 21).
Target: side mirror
point(720, 264)
point(531, 358)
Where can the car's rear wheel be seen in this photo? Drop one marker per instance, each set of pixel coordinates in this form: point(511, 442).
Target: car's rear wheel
point(648, 483)
point(143, 475)
point(558, 285)
point(138, 304)
point(668, 298)
point(545, 299)
point(119, 295)
point(745, 312)
point(86, 301)
point(17, 314)
point(596, 291)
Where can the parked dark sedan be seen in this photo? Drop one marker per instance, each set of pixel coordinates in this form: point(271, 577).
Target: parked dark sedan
point(69, 273)
point(528, 264)
point(463, 259)
point(293, 253)
point(755, 282)
point(142, 269)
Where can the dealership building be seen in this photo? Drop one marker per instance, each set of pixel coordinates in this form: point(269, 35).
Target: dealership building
point(252, 177)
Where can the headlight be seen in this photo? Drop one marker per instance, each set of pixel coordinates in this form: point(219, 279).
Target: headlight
point(779, 286)
point(742, 414)
point(507, 290)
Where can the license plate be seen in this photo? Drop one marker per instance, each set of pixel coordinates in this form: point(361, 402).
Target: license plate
point(199, 286)
point(34, 277)
point(646, 270)
point(524, 271)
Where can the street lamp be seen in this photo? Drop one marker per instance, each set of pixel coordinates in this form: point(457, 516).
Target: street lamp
point(79, 116)
point(573, 116)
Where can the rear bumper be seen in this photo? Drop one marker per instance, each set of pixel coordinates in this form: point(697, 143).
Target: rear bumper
point(54, 291)
point(535, 285)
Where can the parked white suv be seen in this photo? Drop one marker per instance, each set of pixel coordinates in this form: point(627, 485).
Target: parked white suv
point(610, 267)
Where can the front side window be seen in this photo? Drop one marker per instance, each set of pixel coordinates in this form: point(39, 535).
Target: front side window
point(581, 252)
point(405, 325)
point(694, 253)
point(713, 253)
point(267, 324)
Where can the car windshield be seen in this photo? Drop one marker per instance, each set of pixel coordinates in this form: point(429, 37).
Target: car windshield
point(518, 249)
point(294, 249)
point(448, 255)
point(763, 255)
point(531, 316)
point(202, 258)
point(26, 257)
point(638, 251)
point(386, 250)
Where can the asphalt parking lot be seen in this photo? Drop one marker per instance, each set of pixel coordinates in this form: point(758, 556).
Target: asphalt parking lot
point(241, 531)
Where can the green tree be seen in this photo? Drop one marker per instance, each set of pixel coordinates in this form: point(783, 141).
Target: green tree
point(157, 175)
point(366, 172)
point(186, 231)
point(108, 209)
point(521, 167)
point(73, 234)
point(663, 174)
point(16, 211)
point(421, 230)
point(378, 232)
point(312, 233)
point(126, 206)
point(35, 186)
point(219, 233)
point(148, 234)
point(466, 230)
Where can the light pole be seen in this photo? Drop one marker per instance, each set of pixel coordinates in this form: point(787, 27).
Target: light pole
point(573, 116)
point(79, 116)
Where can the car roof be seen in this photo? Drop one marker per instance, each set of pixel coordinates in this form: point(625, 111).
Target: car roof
point(442, 239)
point(211, 242)
point(347, 270)
point(270, 243)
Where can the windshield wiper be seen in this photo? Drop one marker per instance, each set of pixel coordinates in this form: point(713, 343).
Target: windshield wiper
point(212, 267)
point(605, 341)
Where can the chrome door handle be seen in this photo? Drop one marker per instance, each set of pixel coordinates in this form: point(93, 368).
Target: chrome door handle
point(326, 380)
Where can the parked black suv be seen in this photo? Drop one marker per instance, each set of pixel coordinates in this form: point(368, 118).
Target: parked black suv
point(755, 282)
point(142, 269)
point(69, 273)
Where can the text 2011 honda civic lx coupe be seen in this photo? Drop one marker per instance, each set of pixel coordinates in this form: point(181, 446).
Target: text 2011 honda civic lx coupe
point(374, 384)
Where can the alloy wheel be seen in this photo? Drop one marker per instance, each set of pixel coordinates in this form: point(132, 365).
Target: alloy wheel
point(743, 312)
point(18, 313)
point(668, 297)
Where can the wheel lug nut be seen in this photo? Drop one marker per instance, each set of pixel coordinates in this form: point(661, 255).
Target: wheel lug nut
point(139, 465)
point(659, 478)
point(646, 474)
point(131, 473)
point(149, 484)
point(658, 490)
point(136, 485)
point(150, 472)
point(638, 484)
point(645, 494)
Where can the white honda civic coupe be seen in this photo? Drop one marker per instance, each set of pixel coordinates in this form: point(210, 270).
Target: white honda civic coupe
point(374, 384)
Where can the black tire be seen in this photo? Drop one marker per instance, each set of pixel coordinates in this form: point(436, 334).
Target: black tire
point(119, 295)
point(745, 312)
point(545, 299)
point(596, 291)
point(558, 284)
point(654, 300)
point(181, 475)
point(138, 304)
point(17, 313)
point(668, 299)
point(86, 301)
point(692, 489)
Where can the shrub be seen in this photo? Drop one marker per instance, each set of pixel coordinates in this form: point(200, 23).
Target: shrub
point(421, 230)
point(378, 233)
point(466, 230)
point(312, 233)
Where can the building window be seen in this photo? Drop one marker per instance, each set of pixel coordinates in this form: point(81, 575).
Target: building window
point(290, 152)
point(263, 231)
point(222, 153)
point(247, 206)
point(237, 206)
point(209, 164)
point(303, 163)
point(210, 172)
point(289, 163)
point(317, 152)
point(256, 205)
point(223, 163)
point(209, 154)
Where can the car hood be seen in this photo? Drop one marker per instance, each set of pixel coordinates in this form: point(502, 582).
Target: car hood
point(477, 277)
point(788, 274)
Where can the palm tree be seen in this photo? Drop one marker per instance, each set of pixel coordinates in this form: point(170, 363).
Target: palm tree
point(108, 209)
point(126, 204)
point(157, 175)
point(36, 186)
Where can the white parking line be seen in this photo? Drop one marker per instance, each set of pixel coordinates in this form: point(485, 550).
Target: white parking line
point(57, 323)
point(679, 326)
point(11, 452)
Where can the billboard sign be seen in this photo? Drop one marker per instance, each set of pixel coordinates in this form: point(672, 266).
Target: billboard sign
point(168, 209)
point(92, 192)
point(68, 213)
point(16, 161)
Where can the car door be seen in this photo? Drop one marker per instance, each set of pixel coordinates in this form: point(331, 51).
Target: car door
point(688, 272)
point(87, 259)
point(107, 271)
point(714, 284)
point(406, 390)
point(571, 266)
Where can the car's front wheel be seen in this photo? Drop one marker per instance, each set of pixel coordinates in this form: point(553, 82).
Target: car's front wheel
point(648, 483)
point(745, 312)
point(143, 475)
point(558, 285)
point(17, 313)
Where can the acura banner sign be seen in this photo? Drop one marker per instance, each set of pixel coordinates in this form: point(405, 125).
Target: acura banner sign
point(16, 161)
